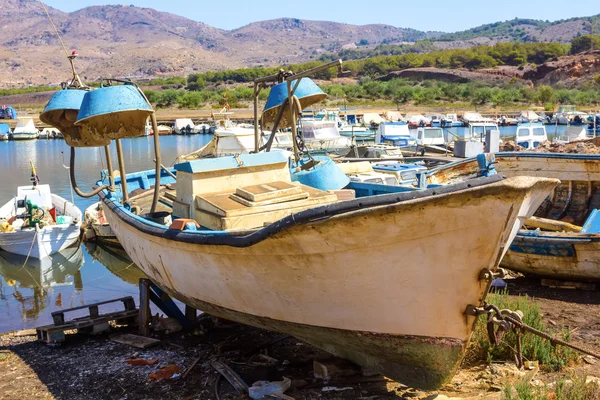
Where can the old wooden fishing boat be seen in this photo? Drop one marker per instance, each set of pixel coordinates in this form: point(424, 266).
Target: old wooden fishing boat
point(263, 239)
point(563, 242)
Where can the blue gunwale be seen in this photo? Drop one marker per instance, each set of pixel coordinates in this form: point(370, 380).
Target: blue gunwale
point(145, 179)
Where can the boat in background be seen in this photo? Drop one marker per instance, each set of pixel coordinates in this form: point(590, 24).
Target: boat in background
point(50, 133)
point(451, 121)
point(25, 129)
point(473, 117)
point(38, 223)
point(395, 134)
point(184, 126)
point(572, 134)
point(563, 240)
point(4, 132)
point(530, 135)
point(95, 225)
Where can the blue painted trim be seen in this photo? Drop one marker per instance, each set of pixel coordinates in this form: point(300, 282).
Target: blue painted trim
point(224, 163)
point(303, 217)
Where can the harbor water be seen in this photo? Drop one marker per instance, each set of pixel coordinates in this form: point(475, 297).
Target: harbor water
point(30, 290)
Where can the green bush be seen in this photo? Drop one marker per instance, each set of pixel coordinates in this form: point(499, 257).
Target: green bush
point(534, 347)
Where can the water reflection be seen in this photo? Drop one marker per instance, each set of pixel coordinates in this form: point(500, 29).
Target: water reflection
point(116, 260)
point(106, 272)
point(39, 276)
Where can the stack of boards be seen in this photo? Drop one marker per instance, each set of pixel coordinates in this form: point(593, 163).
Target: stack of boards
point(255, 206)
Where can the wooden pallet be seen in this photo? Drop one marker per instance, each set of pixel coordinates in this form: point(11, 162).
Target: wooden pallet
point(94, 323)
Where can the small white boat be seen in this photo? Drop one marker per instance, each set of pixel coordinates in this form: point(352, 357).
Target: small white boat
point(184, 126)
point(25, 129)
point(38, 223)
point(95, 224)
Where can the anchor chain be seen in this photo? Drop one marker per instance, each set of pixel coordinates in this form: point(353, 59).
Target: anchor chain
point(501, 321)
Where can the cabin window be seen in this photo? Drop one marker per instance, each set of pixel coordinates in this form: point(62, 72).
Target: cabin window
point(523, 132)
point(434, 133)
point(374, 180)
point(539, 131)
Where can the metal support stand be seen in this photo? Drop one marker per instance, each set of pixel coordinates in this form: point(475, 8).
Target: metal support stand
point(150, 292)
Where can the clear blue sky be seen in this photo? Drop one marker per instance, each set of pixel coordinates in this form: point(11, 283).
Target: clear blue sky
point(440, 15)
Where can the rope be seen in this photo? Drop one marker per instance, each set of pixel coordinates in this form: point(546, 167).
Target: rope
point(55, 30)
point(500, 317)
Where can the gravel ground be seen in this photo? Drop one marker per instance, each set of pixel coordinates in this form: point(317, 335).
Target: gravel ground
point(94, 367)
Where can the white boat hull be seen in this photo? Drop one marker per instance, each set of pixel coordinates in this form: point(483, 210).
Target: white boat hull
point(40, 243)
point(386, 286)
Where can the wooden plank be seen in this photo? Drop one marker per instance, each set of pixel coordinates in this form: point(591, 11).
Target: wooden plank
point(552, 283)
point(551, 225)
point(136, 341)
point(267, 191)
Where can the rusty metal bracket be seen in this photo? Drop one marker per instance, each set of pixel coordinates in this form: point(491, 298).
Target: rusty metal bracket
point(486, 275)
point(475, 311)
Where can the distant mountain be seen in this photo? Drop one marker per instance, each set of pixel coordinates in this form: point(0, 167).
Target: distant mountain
point(528, 30)
point(120, 40)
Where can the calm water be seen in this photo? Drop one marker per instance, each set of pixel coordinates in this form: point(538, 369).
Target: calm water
point(79, 275)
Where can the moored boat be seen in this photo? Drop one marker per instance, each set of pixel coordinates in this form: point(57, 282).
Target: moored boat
point(38, 223)
point(25, 129)
point(95, 224)
point(4, 132)
point(564, 241)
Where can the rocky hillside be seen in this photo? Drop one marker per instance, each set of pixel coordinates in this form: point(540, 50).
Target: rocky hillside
point(527, 30)
point(141, 42)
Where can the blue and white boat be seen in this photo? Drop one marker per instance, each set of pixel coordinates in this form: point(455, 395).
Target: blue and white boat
point(395, 134)
point(4, 132)
point(530, 135)
point(293, 229)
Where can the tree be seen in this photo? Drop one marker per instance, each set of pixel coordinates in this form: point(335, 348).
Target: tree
point(545, 94)
point(585, 43)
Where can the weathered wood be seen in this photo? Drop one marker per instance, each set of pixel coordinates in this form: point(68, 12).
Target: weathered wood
point(139, 342)
point(552, 283)
point(551, 225)
point(144, 311)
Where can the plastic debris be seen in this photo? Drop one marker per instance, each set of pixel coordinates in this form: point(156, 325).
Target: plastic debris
point(498, 283)
point(141, 361)
point(170, 372)
point(262, 389)
point(335, 389)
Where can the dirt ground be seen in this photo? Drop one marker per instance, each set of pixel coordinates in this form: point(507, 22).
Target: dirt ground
point(88, 367)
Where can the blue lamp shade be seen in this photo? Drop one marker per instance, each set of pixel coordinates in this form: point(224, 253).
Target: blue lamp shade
point(61, 113)
point(113, 112)
point(307, 92)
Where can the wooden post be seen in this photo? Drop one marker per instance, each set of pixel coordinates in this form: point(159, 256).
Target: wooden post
point(144, 310)
point(190, 313)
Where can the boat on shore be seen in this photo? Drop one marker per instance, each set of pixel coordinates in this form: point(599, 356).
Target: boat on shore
point(38, 223)
point(283, 241)
point(384, 316)
point(563, 241)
